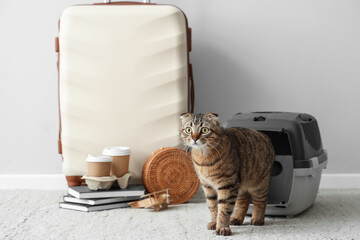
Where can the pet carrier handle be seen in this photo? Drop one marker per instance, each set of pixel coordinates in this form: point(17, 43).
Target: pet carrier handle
point(109, 1)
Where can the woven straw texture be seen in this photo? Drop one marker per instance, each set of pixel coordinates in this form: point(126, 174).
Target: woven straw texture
point(171, 168)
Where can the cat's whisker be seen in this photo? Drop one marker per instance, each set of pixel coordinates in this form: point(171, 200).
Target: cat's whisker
point(212, 155)
point(218, 145)
point(209, 144)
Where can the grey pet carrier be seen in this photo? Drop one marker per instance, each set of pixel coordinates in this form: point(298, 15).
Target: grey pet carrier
point(299, 161)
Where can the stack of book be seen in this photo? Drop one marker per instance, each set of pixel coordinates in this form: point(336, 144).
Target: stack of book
point(81, 198)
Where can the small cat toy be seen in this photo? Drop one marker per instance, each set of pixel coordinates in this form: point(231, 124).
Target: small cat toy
point(158, 200)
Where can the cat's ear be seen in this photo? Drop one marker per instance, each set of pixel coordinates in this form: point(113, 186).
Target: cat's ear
point(185, 116)
point(212, 116)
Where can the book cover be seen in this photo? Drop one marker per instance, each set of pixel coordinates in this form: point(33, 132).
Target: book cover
point(98, 201)
point(89, 208)
point(84, 192)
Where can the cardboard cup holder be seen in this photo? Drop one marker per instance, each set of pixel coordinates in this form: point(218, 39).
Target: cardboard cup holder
point(124, 180)
point(99, 183)
point(105, 183)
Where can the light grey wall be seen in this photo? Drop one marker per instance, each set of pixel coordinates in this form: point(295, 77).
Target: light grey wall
point(281, 55)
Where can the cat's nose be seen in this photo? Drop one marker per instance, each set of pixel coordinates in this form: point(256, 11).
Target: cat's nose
point(195, 137)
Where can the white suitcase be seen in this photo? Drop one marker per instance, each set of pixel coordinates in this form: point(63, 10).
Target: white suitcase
point(124, 79)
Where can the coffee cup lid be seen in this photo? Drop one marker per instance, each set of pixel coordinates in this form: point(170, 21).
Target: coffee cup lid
point(92, 158)
point(117, 151)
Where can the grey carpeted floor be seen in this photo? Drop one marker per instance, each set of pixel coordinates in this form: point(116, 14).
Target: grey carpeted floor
point(35, 215)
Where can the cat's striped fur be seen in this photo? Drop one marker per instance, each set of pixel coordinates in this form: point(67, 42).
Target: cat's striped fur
point(233, 165)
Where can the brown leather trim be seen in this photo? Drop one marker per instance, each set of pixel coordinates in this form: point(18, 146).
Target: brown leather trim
point(59, 146)
point(75, 181)
point(57, 44)
point(189, 37)
point(57, 49)
point(58, 67)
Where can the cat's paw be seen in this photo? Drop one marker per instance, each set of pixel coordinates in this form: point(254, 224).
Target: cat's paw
point(236, 221)
point(225, 231)
point(211, 225)
point(257, 222)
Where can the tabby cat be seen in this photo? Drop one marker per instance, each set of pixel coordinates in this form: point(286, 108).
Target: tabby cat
point(232, 164)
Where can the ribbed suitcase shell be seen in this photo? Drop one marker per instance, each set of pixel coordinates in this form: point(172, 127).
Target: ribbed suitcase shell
point(123, 80)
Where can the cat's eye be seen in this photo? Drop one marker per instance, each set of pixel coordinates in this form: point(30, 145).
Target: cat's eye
point(204, 130)
point(188, 130)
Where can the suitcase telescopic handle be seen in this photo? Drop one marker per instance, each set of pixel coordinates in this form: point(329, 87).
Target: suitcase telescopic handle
point(109, 1)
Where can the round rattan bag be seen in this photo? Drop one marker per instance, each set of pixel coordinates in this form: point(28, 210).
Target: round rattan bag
point(171, 168)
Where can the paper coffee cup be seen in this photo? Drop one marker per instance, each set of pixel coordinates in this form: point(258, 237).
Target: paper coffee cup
point(98, 166)
point(120, 159)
